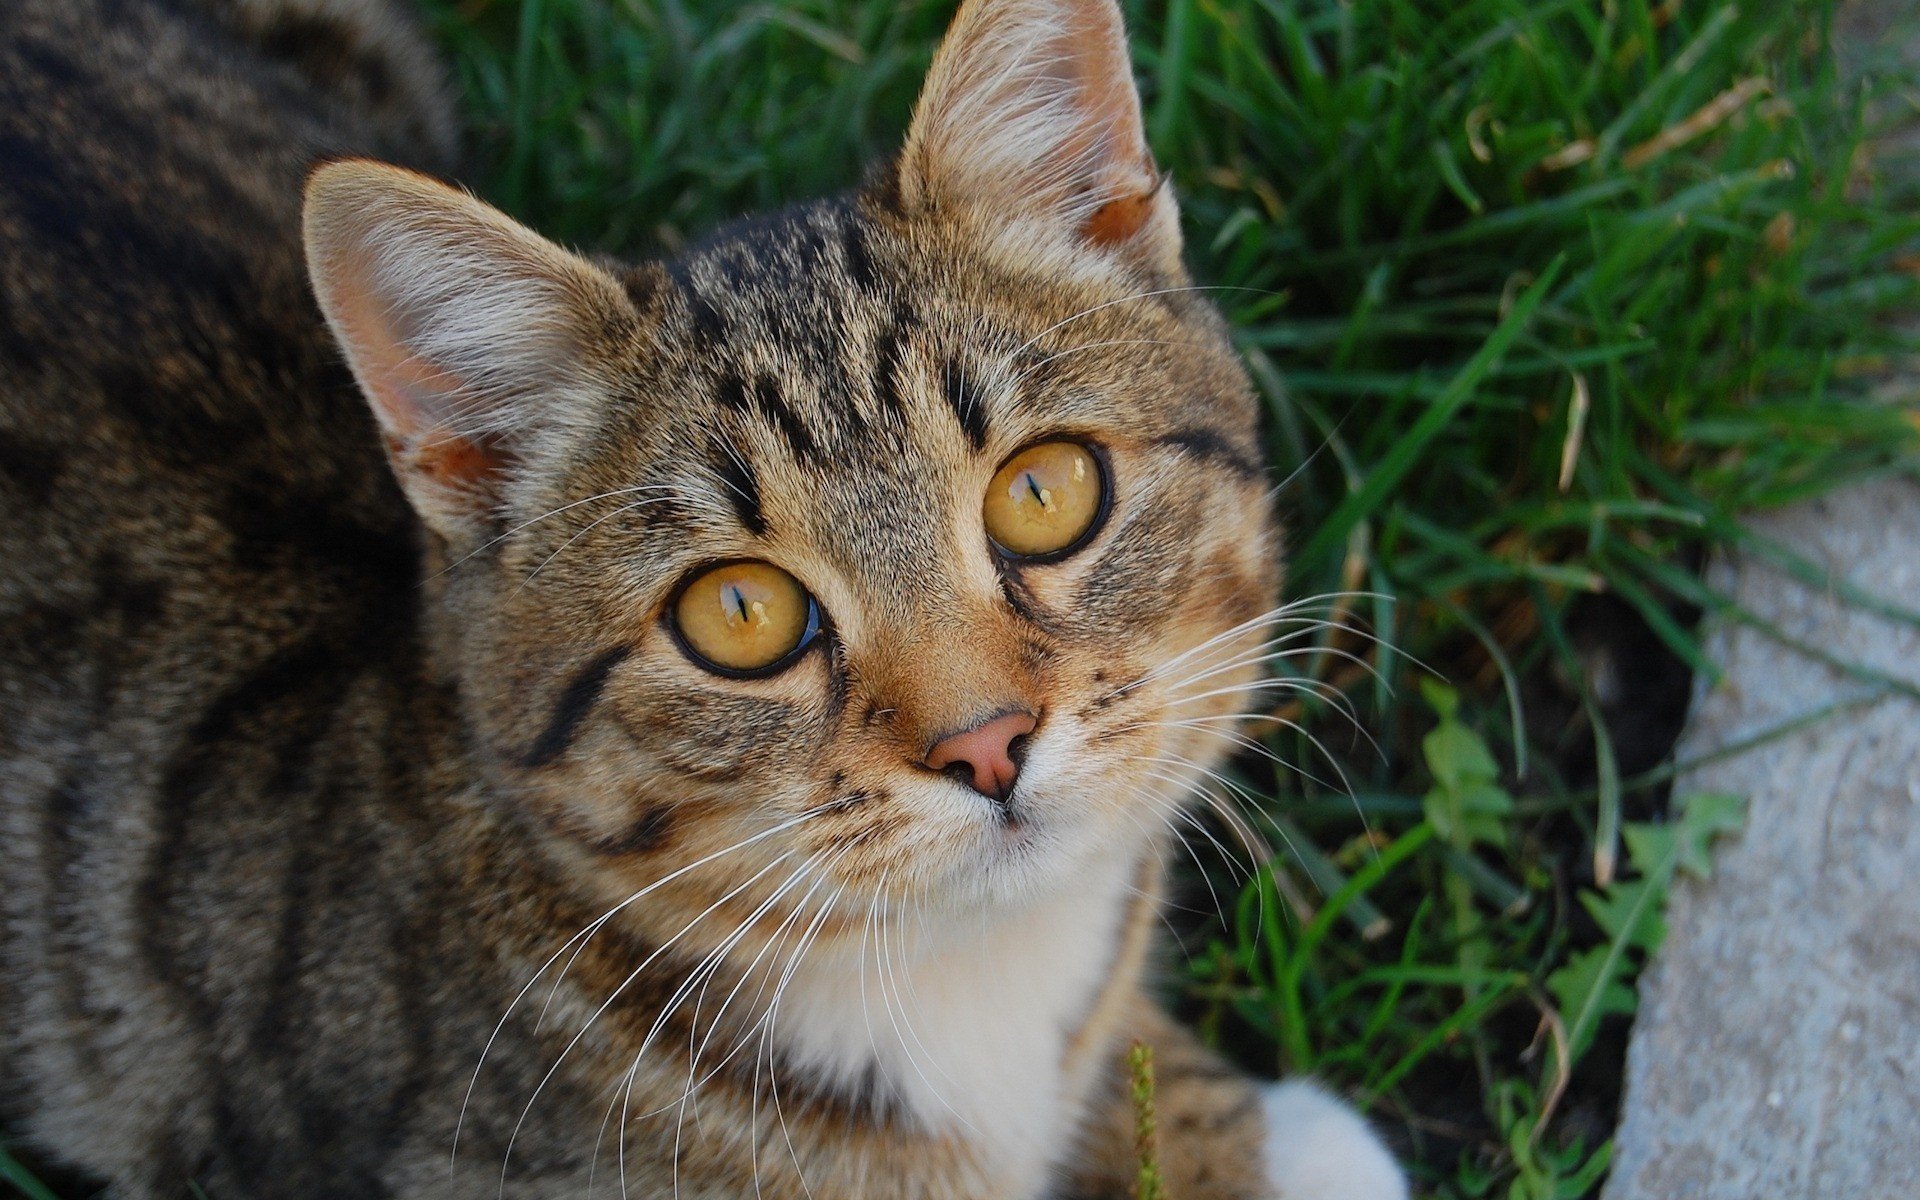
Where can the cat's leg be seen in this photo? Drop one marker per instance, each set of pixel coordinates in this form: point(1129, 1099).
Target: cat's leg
point(1222, 1137)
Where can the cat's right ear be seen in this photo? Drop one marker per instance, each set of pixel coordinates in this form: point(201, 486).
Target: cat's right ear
point(472, 336)
point(1030, 115)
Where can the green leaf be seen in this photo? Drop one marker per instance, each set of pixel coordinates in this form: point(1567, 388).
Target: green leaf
point(1623, 912)
point(1591, 985)
point(1444, 700)
point(1703, 817)
point(1465, 805)
point(1458, 758)
point(1594, 984)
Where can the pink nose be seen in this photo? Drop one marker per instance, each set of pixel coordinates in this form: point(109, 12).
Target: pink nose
point(984, 755)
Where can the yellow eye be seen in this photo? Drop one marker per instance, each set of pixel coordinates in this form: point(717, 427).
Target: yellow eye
point(1045, 500)
point(745, 617)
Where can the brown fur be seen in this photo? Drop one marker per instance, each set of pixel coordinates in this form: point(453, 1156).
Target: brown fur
point(299, 791)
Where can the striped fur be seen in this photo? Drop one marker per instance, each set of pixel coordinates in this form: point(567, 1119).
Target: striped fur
point(334, 826)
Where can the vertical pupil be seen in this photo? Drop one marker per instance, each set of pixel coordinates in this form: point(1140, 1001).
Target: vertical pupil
point(1033, 486)
point(739, 601)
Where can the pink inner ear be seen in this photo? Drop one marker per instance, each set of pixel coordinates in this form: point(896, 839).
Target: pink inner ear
point(1117, 221)
point(463, 464)
point(412, 398)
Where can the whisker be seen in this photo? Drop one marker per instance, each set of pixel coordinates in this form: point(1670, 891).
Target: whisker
point(588, 930)
point(1273, 493)
point(1190, 788)
point(717, 958)
point(1296, 768)
point(883, 962)
point(588, 528)
point(1167, 811)
point(1270, 651)
point(507, 1157)
point(1087, 312)
point(1027, 373)
point(1290, 611)
point(772, 946)
point(773, 1016)
point(496, 540)
point(700, 972)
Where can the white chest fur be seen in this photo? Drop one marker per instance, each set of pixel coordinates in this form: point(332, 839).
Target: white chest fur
point(966, 1022)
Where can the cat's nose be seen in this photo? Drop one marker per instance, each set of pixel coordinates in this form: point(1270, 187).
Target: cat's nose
point(985, 757)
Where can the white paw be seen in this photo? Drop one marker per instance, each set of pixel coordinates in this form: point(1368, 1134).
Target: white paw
point(1320, 1149)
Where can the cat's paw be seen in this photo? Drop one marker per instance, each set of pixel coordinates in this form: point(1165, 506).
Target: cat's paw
point(1320, 1149)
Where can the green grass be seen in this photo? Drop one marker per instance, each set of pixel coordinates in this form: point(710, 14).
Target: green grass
point(1527, 354)
point(1528, 350)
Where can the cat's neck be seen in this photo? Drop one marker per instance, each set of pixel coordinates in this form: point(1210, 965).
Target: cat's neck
point(968, 1024)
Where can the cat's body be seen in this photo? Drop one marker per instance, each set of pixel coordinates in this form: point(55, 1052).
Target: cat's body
point(281, 841)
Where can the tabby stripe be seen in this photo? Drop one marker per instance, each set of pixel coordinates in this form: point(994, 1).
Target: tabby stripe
point(570, 712)
point(763, 397)
point(709, 326)
point(772, 405)
point(312, 666)
point(966, 405)
point(648, 833)
point(739, 483)
point(412, 930)
point(30, 465)
point(67, 901)
point(891, 352)
point(642, 285)
point(282, 674)
point(853, 246)
point(274, 1018)
point(1211, 446)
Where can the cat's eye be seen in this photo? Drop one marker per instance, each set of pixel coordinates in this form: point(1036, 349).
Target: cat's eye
point(1046, 500)
point(745, 618)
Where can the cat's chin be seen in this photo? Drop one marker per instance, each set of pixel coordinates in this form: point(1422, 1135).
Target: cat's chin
point(1036, 860)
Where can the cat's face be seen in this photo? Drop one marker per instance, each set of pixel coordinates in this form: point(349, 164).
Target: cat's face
point(916, 540)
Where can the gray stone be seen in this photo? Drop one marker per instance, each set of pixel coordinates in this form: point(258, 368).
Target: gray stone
point(1777, 1051)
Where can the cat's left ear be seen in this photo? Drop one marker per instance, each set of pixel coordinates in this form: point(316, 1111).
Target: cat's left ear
point(473, 337)
point(1030, 113)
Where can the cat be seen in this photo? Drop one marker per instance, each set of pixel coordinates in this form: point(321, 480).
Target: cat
point(707, 727)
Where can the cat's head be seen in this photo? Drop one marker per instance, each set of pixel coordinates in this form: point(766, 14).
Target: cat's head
point(918, 538)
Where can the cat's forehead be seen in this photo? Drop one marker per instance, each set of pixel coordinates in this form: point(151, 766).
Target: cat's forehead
point(841, 331)
point(793, 283)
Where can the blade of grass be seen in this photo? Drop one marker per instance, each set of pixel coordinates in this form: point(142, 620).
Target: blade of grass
point(1390, 470)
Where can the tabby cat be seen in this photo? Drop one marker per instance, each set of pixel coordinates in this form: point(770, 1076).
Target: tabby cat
point(736, 759)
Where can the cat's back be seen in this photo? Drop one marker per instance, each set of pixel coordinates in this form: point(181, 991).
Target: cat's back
point(151, 155)
point(184, 465)
point(204, 564)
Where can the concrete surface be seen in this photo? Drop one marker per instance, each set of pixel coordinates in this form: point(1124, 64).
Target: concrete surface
point(1777, 1052)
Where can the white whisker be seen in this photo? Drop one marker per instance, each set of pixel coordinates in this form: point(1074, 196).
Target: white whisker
point(608, 1002)
point(587, 932)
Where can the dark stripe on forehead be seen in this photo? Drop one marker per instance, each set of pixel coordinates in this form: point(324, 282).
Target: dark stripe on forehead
point(738, 481)
point(853, 245)
point(890, 354)
point(966, 405)
point(570, 711)
point(731, 392)
point(709, 326)
point(1211, 446)
point(762, 397)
